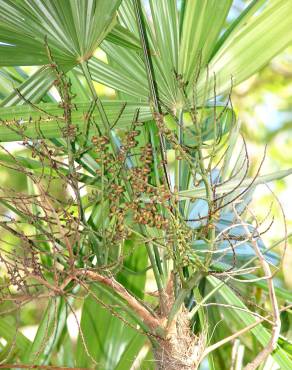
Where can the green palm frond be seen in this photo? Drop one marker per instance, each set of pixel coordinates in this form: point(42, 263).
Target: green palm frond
point(73, 30)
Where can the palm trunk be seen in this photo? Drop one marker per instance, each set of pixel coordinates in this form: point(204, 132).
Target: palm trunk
point(181, 350)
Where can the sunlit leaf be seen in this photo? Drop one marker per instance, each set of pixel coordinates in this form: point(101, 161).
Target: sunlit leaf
point(48, 121)
point(200, 191)
point(73, 30)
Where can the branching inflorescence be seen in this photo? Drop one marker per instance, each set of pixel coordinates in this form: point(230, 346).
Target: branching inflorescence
point(168, 185)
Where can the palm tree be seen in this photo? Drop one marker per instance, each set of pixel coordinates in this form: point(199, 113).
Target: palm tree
point(151, 190)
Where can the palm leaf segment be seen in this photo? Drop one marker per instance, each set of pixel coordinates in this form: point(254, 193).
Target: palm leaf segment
point(73, 29)
point(192, 40)
point(183, 39)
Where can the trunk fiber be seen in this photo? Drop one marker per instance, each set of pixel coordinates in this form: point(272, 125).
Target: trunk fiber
point(181, 350)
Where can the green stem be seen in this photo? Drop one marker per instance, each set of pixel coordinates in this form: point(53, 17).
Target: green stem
point(178, 162)
point(193, 280)
point(147, 59)
point(156, 272)
point(205, 174)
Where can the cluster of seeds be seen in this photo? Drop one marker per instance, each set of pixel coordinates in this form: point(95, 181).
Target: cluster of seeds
point(148, 203)
point(113, 191)
point(147, 213)
point(134, 198)
point(100, 143)
point(104, 158)
point(70, 131)
point(144, 205)
point(117, 212)
point(129, 142)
